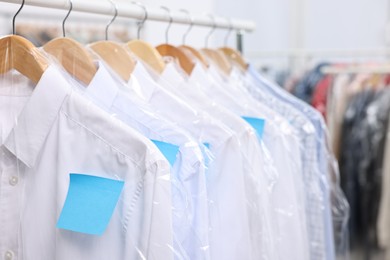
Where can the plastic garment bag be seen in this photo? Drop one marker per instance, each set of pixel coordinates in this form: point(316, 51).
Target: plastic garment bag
point(80, 185)
point(282, 194)
point(384, 210)
point(314, 197)
point(364, 135)
point(371, 172)
point(259, 178)
point(283, 148)
point(326, 164)
point(189, 196)
point(229, 225)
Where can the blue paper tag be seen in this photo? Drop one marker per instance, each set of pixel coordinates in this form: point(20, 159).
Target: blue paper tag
point(206, 154)
point(257, 124)
point(89, 204)
point(168, 150)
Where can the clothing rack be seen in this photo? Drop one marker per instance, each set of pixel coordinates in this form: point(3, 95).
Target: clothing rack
point(131, 10)
point(322, 53)
point(356, 69)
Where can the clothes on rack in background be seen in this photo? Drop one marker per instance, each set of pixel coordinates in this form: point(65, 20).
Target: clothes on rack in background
point(357, 108)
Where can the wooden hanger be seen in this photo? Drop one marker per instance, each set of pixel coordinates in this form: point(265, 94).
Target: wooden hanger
point(197, 54)
point(20, 54)
point(218, 58)
point(148, 54)
point(185, 61)
point(74, 58)
point(116, 56)
point(235, 57)
point(192, 52)
point(143, 50)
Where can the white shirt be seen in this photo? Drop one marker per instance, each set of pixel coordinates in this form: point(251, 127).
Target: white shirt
point(283, 160)
point(229, 227)
point(256, 179)
point(190, 206)
point(51, 132)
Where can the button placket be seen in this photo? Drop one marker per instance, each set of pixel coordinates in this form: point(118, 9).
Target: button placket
point(10, 207)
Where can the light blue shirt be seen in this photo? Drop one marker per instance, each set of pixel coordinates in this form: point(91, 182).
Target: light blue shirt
point(321, 234)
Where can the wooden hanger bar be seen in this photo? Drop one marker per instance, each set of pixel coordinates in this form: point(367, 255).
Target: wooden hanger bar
point(128, 10)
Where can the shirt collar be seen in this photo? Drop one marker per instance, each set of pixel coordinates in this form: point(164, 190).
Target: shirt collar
point(37, 117)
point(199, 75)
point(103, 87)
point(172, 75)
point(141, 80)
point(213, 71)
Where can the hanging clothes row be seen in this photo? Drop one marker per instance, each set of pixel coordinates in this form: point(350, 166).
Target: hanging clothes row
point(355, 100)
point(127, 151)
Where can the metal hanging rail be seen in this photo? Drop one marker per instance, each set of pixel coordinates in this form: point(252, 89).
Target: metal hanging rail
point(356, 69)
point(304, 53)
point(129, 10)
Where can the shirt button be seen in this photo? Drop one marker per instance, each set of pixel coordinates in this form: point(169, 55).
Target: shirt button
point(9, 255)
point(13, 180)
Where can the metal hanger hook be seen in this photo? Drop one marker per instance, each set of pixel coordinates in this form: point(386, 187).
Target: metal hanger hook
point(66, 17)
point(189, 27)
point(170, 22)
point(141, 23)
point(14, 18)
point(113, 18)
point(212, 29)
point(229, 31)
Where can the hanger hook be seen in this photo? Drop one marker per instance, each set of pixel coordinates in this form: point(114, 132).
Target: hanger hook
point(229, 31)
point(14, 18)
point(170, 22)
point(212, 29)
point(141, 23)
point(66, 17)
point(113, 18)
point(189, 27)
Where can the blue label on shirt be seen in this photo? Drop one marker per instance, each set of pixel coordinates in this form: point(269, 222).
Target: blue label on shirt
point(168, 150)
point(206, 154)
point(257, 124)
point(89, 204)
